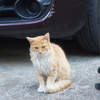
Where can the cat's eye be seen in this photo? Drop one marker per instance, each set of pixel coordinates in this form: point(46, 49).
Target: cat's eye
point(36, 47)
point(43, 47)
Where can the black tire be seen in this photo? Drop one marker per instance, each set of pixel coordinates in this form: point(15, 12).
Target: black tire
point(89, 35)
point(99, 70)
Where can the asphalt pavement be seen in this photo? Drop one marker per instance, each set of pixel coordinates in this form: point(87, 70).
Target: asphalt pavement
point(18, 81)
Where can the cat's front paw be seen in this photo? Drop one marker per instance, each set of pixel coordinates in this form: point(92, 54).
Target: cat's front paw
point(41, 89)
point(49, 88)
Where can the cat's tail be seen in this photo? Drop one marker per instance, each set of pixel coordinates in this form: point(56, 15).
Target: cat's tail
point(58, 86)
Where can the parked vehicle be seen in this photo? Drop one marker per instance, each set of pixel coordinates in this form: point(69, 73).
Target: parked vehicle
point(62, 18)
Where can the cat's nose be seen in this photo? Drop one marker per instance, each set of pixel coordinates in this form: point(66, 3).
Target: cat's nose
point(40, 52)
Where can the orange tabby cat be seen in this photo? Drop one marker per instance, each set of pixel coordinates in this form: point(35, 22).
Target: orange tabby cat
point(50, 63)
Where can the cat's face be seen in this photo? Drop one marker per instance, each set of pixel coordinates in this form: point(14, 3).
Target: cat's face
point(39, 44)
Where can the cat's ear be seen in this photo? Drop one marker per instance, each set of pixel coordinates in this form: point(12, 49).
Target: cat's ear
point(30, 39)
point(46, 37)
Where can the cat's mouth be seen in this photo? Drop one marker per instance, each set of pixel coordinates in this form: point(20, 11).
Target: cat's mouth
point(40, 53)
point(45, 53)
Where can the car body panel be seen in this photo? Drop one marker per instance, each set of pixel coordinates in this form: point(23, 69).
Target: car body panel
point(64, 20)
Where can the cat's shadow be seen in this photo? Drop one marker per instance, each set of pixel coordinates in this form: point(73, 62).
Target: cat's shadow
point(31, 87)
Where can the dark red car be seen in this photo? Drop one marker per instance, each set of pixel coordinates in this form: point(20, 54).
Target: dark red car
point(62, 18)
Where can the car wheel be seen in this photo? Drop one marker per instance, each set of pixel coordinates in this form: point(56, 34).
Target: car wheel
point(89, 35)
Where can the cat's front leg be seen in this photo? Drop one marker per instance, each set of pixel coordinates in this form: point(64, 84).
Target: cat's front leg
point(42, 82)
point(50, 80)
point(51, 77)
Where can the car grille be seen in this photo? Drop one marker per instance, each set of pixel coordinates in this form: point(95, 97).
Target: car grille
point(7, 12)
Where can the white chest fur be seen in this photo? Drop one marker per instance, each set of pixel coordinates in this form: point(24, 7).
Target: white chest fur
point(43, 63)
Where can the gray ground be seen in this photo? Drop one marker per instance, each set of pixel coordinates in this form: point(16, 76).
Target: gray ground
point(18, 82)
